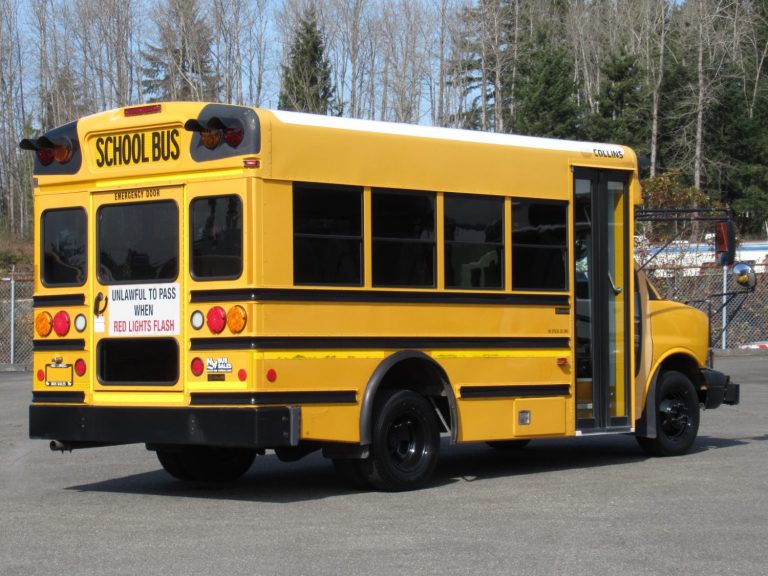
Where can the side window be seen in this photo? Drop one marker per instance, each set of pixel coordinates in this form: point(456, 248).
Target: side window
point(403, 238)
point(216, 224)
point(327, 234)
point(64, 247)
point(474, 241)
point(539, 245)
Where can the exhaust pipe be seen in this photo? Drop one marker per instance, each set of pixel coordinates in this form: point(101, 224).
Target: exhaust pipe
point(59, 446)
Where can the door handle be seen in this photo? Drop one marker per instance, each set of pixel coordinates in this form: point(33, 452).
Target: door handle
point(616, 290)
point(97, 310)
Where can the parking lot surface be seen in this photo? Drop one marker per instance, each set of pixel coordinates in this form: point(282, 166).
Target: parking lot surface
point(584, 506)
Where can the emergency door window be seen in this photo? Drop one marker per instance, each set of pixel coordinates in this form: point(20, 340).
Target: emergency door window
point(217, 242)
point(138, 242)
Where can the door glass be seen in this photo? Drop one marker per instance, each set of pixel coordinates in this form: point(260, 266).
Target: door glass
point(583, 254)
point(616, 298)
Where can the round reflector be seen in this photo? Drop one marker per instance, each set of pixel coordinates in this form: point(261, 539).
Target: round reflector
point(80, 322)
point(236, 319)
point(217, 319)
point(43, 324)
point(40, 375)
point(242, 375)
point(197, 320)
point(61, 323)
point(79, 366)
point(271, 375)
point(197, 366)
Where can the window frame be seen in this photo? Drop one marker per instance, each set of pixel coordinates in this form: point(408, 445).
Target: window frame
point(500, 244)
point(43, 280)
point(566, 205)
point(97, 254)
point(317, 236)
point(191, 264)
point(405, 240)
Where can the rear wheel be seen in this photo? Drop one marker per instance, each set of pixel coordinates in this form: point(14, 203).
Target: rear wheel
point(207, 463)
point(406, 442)
point(677, 416)
point(171, 462)
point(352, 473)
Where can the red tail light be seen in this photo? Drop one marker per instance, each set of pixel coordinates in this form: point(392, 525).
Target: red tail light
point(141, 110)
point(233, 136)
point(217, 319)
point(61, 323)
point(197, 366)
point(45, 156)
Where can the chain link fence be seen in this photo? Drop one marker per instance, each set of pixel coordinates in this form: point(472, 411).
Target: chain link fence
point(16, 319)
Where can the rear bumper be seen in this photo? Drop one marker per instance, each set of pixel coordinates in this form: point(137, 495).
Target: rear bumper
point(720, 390)
point(263, 427)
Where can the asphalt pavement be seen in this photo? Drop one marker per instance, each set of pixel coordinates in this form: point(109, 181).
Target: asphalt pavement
point(586, 506)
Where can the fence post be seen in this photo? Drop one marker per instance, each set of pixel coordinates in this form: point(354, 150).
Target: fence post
point(13, 315)
point(725, 308)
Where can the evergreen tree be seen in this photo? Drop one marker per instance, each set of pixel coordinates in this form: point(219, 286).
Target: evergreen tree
point(306, 79)
point(623, 115)
point(180, 66)
point(548, 92)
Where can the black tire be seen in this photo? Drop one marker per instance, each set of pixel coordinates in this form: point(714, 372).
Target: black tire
point(508, 445)
point(406, 442)
point(677, 416)
point(207, 463)
point(171, 463)
point(352, 473)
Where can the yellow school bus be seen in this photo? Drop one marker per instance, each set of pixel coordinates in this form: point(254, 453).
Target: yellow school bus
point(215, 281)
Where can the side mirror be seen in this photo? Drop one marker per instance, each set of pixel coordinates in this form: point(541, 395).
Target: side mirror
point(725, 242)
point(745, 276)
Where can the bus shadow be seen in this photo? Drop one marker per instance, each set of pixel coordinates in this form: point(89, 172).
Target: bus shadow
point(313, 478)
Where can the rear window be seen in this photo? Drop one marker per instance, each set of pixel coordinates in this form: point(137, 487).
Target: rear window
point(138, 242)
point(217, 237)
point(64, 247)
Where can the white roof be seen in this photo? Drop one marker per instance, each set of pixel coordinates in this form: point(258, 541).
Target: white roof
point(300, 118)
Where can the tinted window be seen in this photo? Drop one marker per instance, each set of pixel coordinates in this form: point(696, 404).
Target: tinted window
point(403, 238)
point(217, 237)
point(474, 241)
point(539, 245)
point(327, 235)
point(138, 242)
point(64, 246)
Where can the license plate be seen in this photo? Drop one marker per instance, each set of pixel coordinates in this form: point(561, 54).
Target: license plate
point(58, 375)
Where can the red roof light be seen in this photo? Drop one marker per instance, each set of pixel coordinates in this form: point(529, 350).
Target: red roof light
point(141, 110)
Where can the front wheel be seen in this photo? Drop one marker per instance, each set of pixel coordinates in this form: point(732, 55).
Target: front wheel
point(677, 416)
point(406, 442)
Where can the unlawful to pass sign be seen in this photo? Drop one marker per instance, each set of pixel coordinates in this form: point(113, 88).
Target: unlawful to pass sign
point(144, 310)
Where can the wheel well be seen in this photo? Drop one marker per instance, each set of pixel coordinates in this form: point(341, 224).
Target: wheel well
point(685, 365)
point(410, 370)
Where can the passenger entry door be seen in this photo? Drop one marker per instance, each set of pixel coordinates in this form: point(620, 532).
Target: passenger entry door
point(137, 297)
point(603, 266)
